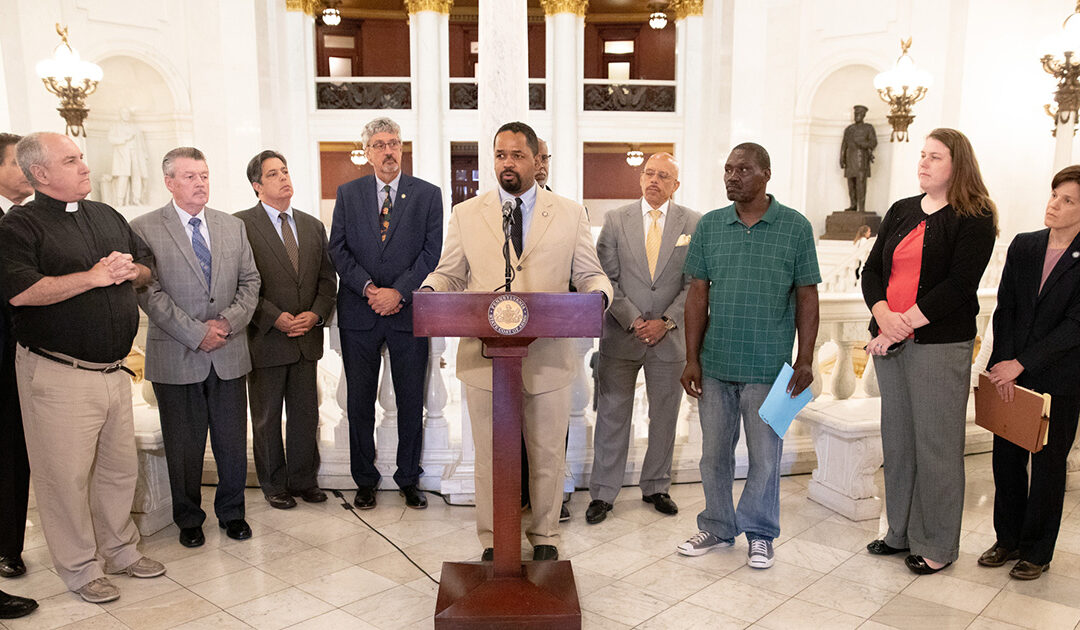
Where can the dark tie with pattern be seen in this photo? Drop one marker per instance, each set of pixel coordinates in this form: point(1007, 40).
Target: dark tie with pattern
point(202, 252)
point(516, 231)
point(290, 242)
point(384, 214)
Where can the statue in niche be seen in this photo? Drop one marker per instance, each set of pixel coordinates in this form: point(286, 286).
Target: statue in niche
point(129, 170)
point(856, 154)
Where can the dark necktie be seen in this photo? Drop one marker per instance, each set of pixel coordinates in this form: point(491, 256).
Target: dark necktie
point(384, 214)
point(516, 231)
point(290, 242)
point(202, 252)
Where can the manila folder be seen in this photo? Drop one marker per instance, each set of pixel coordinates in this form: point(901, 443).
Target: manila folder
point(1023, 422)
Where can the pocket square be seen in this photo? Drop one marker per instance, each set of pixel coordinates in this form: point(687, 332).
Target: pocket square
point(684, 239)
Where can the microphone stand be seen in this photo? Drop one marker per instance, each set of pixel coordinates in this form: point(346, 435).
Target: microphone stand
point(508, 224)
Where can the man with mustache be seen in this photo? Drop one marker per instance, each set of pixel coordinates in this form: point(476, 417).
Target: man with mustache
point(70, 272)
point(754, 276)
point(285, 335)
point(552, 245)
point(204, 292)
point(385, 237)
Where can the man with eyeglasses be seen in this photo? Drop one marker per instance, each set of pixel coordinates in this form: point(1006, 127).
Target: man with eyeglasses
point(543, 162)
point(385, 238)
point(642, 247)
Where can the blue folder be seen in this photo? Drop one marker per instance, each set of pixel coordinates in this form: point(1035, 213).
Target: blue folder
point(779, 408)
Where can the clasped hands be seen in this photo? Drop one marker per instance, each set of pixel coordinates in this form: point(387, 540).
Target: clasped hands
point(893, 328)
point(649, 331)
point(296, 325)
point(116, 268)
point(383, 300)
point(1003, 376)
point(217, 334)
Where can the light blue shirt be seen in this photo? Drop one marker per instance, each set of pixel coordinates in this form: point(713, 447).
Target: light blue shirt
point(185, 217)
point(528, 202)
point(275, 218)
point(380, 184)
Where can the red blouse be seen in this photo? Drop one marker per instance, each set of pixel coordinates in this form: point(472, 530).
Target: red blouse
point(903, 288)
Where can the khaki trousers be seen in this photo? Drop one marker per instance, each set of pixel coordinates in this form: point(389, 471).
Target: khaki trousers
point(80, 437)
point(547, 416)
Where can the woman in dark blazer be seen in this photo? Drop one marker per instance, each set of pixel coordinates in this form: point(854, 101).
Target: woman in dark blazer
point(920, 283)
point(1037, 345)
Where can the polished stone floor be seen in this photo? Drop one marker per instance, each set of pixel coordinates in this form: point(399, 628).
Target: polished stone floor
point(317, 566)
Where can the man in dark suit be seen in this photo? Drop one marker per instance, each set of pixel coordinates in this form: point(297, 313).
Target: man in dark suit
point(285, 335)
point(386, 237)
point(642, 247)
point(203, 294)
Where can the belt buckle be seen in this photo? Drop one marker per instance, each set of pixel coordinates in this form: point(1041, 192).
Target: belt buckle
point(113, 368)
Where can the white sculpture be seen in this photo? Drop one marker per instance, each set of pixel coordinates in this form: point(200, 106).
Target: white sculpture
point(129, 170)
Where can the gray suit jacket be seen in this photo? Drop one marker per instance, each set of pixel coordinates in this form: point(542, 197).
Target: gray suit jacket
point(621, 248)
point(178, 302)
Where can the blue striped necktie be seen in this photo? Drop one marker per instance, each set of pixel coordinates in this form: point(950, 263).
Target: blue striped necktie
point(202, 252)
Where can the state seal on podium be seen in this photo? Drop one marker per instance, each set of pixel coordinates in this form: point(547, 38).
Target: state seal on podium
point(508, 314)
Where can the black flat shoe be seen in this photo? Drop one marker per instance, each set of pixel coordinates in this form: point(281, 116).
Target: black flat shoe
point(365, 498)
point(12, 566)
point(597, 511)
point(662, 502)
point(545, 552)
point(237, 529)
point(879, 548)
point(414, 498)
point(13, 607)
point(192, 536)
point(488, 555)
point(917, 564)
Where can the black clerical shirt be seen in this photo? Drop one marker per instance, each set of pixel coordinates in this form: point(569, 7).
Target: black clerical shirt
point(42, 239)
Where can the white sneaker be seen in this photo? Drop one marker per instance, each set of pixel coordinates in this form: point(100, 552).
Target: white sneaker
point(99, 591)
point(700, 544)
point(760, 555)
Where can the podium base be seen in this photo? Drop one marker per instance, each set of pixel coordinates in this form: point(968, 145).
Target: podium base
point(544, 597)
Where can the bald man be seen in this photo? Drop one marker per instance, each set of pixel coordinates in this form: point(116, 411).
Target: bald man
point(642, 247)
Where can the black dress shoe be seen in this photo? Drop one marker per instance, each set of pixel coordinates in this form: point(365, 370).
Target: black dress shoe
point(597, 511)
point(917, 564)
point(662, 502)
point(13, 607)
point(311, 495)
point(488, 555)
point(237, 529)
point(365, 498)
point(281, 501)
point(1025, 570)
point(545, 552)
point(879, 548)
point(997, 555)
point(192, 536)
point(413, 497)
point(11, 566)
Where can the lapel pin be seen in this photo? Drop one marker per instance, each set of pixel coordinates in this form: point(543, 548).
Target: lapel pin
point(1076, 254)
point(545, 213)
point(402, 195)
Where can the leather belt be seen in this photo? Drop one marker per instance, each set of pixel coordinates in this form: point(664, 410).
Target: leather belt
point(108, 369)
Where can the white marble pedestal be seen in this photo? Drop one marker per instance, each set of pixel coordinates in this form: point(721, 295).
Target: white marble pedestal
point(847, 440)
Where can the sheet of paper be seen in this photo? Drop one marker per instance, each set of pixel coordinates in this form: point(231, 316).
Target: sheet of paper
point(779, 408)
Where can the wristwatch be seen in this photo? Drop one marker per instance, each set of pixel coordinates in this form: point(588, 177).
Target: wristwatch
point(668, 322)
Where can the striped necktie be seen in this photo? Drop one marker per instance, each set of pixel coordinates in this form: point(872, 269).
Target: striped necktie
point(290, 242)
point(202, 252)
point(652, 242)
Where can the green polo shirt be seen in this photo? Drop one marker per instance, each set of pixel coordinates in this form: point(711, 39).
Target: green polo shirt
point(752, 272)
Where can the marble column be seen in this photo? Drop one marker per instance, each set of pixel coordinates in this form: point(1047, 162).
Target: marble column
point(691, 79)
point(503, 76)
point(429, 33)
point(565, 35)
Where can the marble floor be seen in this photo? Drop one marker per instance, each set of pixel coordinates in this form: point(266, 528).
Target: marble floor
point(317, 566)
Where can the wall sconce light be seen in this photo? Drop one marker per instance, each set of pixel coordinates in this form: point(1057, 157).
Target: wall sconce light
point(901, 87)
point(1065, 70)
point(69, 77)
point(635, 158)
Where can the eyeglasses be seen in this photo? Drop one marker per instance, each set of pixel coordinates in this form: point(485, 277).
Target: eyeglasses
point(393, 145)
point(661, 175)
point(544, 157)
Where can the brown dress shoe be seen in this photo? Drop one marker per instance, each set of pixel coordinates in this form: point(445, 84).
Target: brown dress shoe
point(1025, 570)
point(997, 556)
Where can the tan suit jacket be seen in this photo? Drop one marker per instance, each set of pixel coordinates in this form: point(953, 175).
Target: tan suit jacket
point(558, 248)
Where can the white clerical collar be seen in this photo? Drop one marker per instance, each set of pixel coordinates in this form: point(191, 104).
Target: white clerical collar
point(72, 206)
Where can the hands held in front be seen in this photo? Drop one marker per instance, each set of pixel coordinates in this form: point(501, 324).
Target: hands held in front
point(116, 268)
point(217, 334)
point(1003, 376)
point(649, 331)
point(895, 326)
point(296, 325)
point(879, 345)
point(384, 301)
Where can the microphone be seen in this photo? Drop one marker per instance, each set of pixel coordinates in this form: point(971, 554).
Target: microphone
point(508, 213)
point(508, 222)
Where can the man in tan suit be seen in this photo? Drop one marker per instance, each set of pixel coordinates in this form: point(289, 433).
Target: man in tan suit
point(552, 245)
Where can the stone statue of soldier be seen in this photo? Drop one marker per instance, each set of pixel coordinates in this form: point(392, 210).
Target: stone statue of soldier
point(856, 154)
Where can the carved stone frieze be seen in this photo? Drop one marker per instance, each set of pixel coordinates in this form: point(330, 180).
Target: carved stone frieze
point(363, 95)
point(629, 98)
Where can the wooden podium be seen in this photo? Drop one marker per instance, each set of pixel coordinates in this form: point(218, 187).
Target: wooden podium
point(507, 593)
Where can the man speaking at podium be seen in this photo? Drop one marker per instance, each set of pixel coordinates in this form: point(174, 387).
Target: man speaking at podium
point(551, 246)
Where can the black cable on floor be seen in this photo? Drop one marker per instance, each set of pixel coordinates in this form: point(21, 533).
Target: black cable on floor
point(349, 506)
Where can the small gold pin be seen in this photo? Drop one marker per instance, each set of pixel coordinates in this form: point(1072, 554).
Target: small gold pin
point(545, 213)
point(402, 195)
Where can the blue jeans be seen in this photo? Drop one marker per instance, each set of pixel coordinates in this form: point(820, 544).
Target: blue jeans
point(721, 406)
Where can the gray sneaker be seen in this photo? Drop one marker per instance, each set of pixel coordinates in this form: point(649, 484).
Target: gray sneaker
point(99, 591)
point(760, 555)
point(145, 568)
point(700, 544)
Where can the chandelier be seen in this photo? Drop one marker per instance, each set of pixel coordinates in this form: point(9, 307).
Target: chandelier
point(901, 87)
point(69, 77)
point(358, 157)
point(657, 16)
point(635, 157)
point(1066, 70)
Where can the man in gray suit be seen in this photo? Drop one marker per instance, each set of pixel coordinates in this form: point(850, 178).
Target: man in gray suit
point(204, 292)
point(286, 334)
point(642, 247)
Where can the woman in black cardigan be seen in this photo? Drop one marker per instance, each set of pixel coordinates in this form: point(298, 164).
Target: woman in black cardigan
point(920, 282)
point(1037, 345)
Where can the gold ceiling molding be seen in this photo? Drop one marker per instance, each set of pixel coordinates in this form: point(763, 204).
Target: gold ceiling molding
point(577, 7)
point(310, 7)
point(438, 6)
point(687, 8)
